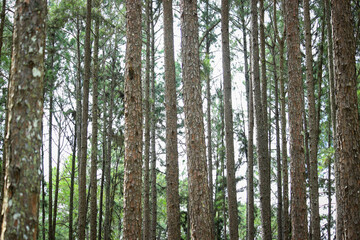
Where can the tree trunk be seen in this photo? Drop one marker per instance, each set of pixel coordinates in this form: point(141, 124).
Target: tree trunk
point(298, 191)
point(72, 181)
point(133, 123)
point(107, 227)
point(146, 228)
point(261, 133)
point(152, 132)
point(313, 131)
point(23, 137)
point(347, 119)
point(172, 165)
point(200, 218)
point(57, 180)
point(229, 132)
point(104, 144)
point(78, 120)
point(94, 139)
point(2, 24)
point(84, 127)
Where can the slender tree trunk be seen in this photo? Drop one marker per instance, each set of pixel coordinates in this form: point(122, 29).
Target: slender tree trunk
point(298, 191)
point(94, 139)
point(43, 188)
point(133, 123)
point(107, 227)
point(85, 114)
point(329, 174)
point(172, 165)
point(57, 180)
point(339, 222)
point(313, 131)
point(153, 132)
point(277, 132)
point(208, 111)
point(72, 182)
point(250, 164)
point(200, 218)
point(51, 79)
point(78, 122)
point(2, 24)
point(24, 124)
point(261, 133)
point(347, 119)
point(103, 163)
point(146, 227)
point(229, 132)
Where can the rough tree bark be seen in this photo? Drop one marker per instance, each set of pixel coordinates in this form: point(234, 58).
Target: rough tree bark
point(84, 127)
point(313, 131)
point(200, 219)
point(94, 139)
point(229, 132)
point(133, 122)
point(23, 137)
point(298, 191)
point(347, 119)
point(261, 133)
point(172, 165)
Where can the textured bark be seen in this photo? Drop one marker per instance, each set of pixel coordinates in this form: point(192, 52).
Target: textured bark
point(152, 133)
point(94, 139)
point(72, 181)
point(207, 70)
point(261, 131)
point(229, 132)
point(146, 224)
point(250, 164)
point(298, 191)
point(347, 119)
point(133, 122)
point(172, 165)
point(200, 219)
point(284, 157)
point(2, 24)
point(104, 145)
point(57, 180)
point(24, 123)
point(313, 130)
point(84, 127)
point(78, 120)
point(339, 226)
point(107, 221)
point(277, 131)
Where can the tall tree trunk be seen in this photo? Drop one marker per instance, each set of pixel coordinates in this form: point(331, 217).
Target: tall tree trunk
point(57, 179)
point(347, 119)
point(72, 181)
point(313, 177)
point(208, 111)
point(43, 183)
point(25, 111)
point(85, 114)
point(261, 133)
point(94, 139)
point(329, 173)
point(104, 144)
point(277, 129)
point(153, 131)
point(2, 24)
point(200, 218)
point(146, 228)
point(229, 132)
point(172, 165)
point(298, 191)
point(107, 227)
point(78, 120)
point(51, 80)
point(339, 222)
point(133, 122)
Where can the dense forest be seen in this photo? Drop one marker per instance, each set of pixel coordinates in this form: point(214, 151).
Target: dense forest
point(184, 119)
